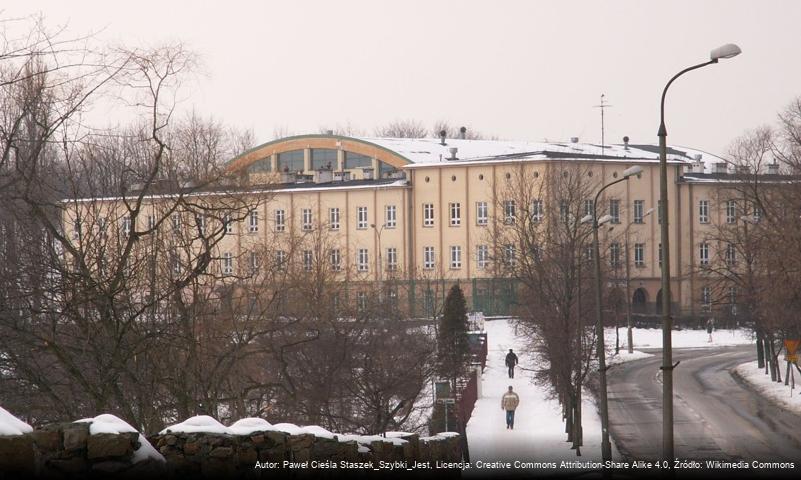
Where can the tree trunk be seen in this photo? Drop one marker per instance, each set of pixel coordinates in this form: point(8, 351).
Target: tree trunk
point(760, 350)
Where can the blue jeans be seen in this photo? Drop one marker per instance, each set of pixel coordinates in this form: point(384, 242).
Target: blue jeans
point(510, 418)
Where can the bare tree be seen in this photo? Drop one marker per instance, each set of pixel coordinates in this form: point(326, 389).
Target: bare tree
point(401, 129)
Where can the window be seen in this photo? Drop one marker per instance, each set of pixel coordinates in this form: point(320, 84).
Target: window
point(336, 260)
point(308, 260)
point(200, 222)
point(456, 214)
point(482, 256)
point(253, 221)
point(614, 210)
point(229, 224)
point(306, 219)
point(757, 213)
point(731, 211)
point(456, 256)
point(361, 218)
point(323, 158)
point(280, 220)
point(703, 211)
point(392, 259)
point(291, 161)
point(254, 262)
point(126, 225)
point(280, 260)
point(731, 255)
point(564, 211)
point(363, 260)
point(589, 252)
point(390, 216)
point(509, 211)
point(228, 263)
point(333, 218)
point(101, 224)
point(509, 255)
point(536, 211)
point(482, 213)
point(536, 252)
point(76, 228)
point(639, 206)
point(361, 301)
point(355, 160)
point(703, 254)
point(614, 254)
point(176, 222)
point(428, 258)
point(151, 222)
point(262, 165)
point(175, 261)
point(639, 254)
point(706, 297)
point(428, 214)
point(588, 207)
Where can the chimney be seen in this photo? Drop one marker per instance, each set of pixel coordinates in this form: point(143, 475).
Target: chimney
point(462, 132)
point(442, 135)
point(329, 132)
point(720, 167)
point(773, 169)
point(574, 139)
point(453, 151)
point(626, 142)
point(743, 169)
point(698, 165)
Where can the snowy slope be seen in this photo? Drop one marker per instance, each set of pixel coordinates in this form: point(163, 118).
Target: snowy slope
point(775, 391)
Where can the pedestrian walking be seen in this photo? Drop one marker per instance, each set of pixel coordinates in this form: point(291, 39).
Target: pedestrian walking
point(710, 324)
point(511, 361)
point(509, 402)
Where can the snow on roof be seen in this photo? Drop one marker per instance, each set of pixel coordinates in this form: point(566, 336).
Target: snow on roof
point(107, 423)
point(246, 426)
point(430, 150)
point(11, 425)
point(197, 424)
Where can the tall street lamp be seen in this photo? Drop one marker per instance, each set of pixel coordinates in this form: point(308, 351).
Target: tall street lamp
point(378, 231)
point(726, 51)
point(606, 446)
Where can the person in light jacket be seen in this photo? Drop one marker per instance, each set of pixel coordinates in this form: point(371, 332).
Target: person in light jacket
point(509, 402)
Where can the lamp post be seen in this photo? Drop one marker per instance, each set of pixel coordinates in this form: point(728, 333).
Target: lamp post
point(629, 332)
point(380, 264)
point(726, 51)
point(606, 446)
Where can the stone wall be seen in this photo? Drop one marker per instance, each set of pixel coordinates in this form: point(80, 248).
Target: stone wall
point(68, 451)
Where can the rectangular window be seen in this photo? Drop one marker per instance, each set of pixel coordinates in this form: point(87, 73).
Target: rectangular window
point(706, 296)
point(392, 259)
point(564, 211)
point(175, 260)
point(456, 256)
point(428, 258)
point(336, 260)
point(482, 256)
point(703, 211)
point(176, 222)
point(280, 260)
point(509, 212)
point(731, 255)
point(509, 255)
point(229, 224)
point(614, 210)
point(361, 299)
point(639, 208)
point(703, 254)
point(587, 207)
point(428, 214)
point(308, 260)
point(151, 222)
point(126, 225)
point(361, 218)
point(456, 214)
point(390, 216)
point(639, 254)
point(253, 221)
point(589, 252)
point(280, 220)
point(731, 211)
point(228, 263)
point(363, 264)
point(76, 228)
point(306, 219)
point(536, 211)
point(757, 213)
point(254, 262)
point(614, 254)
point(333, 218)
point(482, 213)
point(200, 223)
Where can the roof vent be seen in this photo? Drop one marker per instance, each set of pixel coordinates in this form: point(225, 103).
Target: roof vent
point(442, 135)
point(626, 142)
point(698, 157)
point(573, 139)
point(453, 151)
point(720, 167)
point(329, 132)
point(773, 168)
point(462, 133)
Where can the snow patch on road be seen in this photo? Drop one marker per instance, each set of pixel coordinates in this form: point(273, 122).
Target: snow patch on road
point(624, 356)
point(775, 391)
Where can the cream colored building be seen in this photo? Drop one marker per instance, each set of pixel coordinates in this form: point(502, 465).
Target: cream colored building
point(424, 209)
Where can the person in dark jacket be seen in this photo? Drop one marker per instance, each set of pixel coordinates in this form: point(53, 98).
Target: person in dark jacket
point(511, 361)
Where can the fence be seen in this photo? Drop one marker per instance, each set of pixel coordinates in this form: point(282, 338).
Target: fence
point(466, 398)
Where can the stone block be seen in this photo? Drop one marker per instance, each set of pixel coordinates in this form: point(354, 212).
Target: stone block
point(110, 445)
point(191, 448)
point(247, 456)
point(75, 436)
point(16, 454)
point(47, 440)
point(221, 452)
point(71, 466)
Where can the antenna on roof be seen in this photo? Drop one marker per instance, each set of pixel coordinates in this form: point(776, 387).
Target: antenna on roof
point(602, 106)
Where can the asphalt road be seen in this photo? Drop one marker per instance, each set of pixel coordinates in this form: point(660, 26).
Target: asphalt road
point(717, 417)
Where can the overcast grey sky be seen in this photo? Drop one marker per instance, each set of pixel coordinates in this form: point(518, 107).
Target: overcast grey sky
point(523, 70)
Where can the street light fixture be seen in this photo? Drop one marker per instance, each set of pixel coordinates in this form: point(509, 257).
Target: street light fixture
point(606, 446)
point(726, 51)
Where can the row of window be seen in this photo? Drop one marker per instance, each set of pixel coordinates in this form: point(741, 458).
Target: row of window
point(729, 254)
point(730, 209)
point(334, 217)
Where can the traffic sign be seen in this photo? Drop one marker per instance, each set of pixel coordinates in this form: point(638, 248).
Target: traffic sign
point(791, 345)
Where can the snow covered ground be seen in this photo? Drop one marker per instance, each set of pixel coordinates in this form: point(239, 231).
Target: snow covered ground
point(652, 338)
point(777, 392)
point(539, 433)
